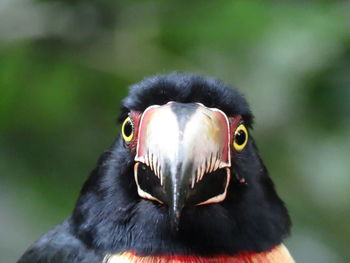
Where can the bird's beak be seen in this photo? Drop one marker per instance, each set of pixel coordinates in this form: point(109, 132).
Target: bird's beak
point(183, 156)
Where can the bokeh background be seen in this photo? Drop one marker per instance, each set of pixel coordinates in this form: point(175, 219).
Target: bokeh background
point(65, 66)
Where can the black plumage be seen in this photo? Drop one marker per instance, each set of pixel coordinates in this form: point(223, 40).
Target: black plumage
point(110, 217)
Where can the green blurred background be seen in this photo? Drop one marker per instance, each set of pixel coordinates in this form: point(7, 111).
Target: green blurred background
point(65, 66)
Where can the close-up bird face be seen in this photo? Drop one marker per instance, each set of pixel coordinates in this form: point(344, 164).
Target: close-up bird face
point(183, 176)
point(182, 182)
point(183, 153)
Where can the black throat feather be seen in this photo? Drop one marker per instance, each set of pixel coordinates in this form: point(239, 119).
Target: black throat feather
point(110, 217)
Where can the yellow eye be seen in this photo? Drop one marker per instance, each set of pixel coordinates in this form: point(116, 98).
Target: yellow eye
point(241, 138)
point(128, 129)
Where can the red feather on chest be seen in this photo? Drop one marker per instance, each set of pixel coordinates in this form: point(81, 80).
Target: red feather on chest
point(277, 255)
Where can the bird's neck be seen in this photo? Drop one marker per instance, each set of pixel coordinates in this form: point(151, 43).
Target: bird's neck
point(276, 255)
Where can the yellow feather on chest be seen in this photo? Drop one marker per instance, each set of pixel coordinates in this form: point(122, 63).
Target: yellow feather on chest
point(279, 254)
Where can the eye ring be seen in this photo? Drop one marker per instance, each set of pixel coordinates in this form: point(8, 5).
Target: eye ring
point(128, 129)
point(240, 138)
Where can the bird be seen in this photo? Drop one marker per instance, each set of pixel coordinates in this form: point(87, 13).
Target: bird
point(183, 181)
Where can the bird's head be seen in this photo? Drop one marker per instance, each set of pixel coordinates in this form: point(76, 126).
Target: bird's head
point(183, 153)
point(183, 176)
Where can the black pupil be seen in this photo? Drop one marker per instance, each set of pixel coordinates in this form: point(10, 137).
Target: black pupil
point(128, 129)
point(240, 137)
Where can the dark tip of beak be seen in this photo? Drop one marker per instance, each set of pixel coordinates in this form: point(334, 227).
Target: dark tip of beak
point(175, 192)
point(174, 214)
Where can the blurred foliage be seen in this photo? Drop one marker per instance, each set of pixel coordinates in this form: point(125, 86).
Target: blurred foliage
point(65, 66)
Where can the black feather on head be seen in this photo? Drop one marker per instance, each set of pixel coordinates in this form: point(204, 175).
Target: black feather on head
point(110, 216)
point(187, 88)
